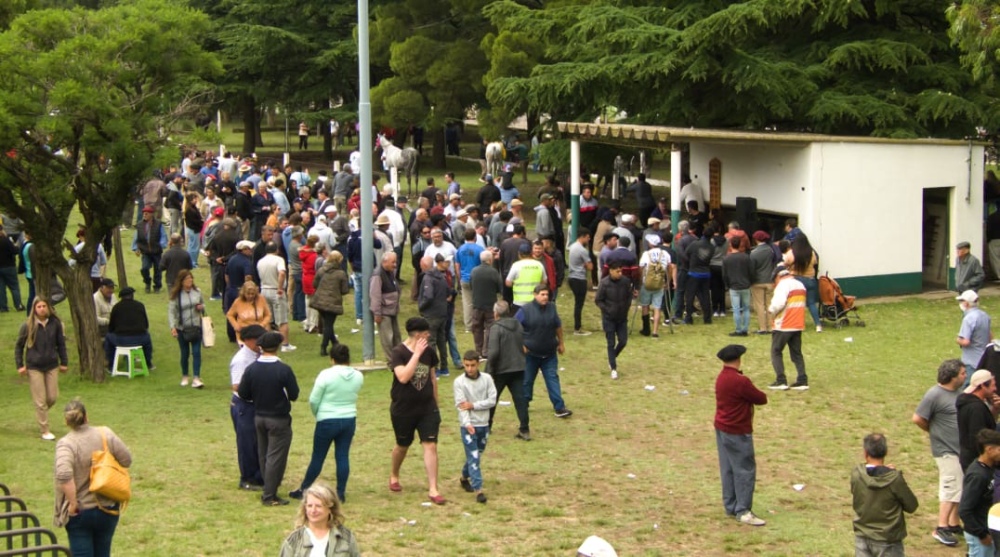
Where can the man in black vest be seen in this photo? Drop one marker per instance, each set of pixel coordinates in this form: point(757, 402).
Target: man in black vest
point(149, 242)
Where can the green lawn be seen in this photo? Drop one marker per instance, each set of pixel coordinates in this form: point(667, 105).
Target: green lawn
point(633, 465)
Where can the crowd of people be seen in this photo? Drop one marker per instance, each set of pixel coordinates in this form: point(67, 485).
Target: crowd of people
point(283, 247)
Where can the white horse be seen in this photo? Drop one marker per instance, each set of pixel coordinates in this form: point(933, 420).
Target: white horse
point(494, 158)
point(403, 160)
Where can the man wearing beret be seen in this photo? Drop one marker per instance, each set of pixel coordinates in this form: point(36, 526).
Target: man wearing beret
point(270, 385)
point(969, 273)
point(242, 411)
point(735, 398)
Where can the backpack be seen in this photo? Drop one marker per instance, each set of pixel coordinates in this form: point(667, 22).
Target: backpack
point(656, 275)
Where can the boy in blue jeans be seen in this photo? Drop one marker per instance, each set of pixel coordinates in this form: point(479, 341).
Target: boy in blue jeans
point(475, 394)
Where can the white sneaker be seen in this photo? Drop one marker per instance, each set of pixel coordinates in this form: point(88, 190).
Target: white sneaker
point(359, 321)
point(614, 374)
point(581, 333)
point(750, 519)
point(48, 436)
point(819, 328)
point(197, 384)
point(287, 347)
point(184, 382)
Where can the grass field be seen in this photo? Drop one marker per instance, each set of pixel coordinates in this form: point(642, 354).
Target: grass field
point(633, 465)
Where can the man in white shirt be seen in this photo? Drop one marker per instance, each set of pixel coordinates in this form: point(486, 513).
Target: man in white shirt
point(273, 280)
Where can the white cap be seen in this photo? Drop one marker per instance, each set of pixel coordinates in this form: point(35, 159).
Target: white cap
point(969, 296)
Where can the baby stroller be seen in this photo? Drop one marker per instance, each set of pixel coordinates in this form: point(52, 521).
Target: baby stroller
point(835, 306)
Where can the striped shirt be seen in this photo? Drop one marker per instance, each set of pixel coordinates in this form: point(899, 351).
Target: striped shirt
point(789, 305)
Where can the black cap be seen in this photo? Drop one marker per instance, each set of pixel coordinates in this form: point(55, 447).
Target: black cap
point(269, 341)
point(252, 332)
point(127, 291)
point(731, 352)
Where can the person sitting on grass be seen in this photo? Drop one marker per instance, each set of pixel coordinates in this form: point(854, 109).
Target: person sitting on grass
point(475, 394)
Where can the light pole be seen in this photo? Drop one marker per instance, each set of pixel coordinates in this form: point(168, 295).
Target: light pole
point(365, 139)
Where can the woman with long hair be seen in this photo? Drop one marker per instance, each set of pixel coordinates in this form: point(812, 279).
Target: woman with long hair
point(193, 223)
point(334, 402)
point(185, 310)
point(320, 524)
point(40, 350)
point(249, 308)
point(90, 519)
point(804, 264)
point(307, 255)
point(330, 284)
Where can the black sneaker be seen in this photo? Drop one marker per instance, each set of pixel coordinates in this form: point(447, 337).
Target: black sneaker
point(297, 494)
point(564, 413)
point(944, 535)
point(778, 386)
point(274, 502)
point(958, 531)
point(247, 486)
point(466, 485)
point(148, 289)
point(481, 498)
point(523, 435)
point(800, 386)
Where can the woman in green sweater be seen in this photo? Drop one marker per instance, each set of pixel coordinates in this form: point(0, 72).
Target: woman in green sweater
point(333, 401)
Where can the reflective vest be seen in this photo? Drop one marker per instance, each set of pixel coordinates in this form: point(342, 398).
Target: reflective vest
point(529, 275)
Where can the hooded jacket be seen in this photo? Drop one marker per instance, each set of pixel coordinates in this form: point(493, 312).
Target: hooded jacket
point(505, 353)
point(335, 393)
point(973, 415)
point(880, 497)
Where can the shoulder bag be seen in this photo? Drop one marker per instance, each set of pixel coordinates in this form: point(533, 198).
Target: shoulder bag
point(108, 478)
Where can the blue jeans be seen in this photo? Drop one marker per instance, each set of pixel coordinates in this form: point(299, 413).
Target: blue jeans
point(738, 469)
point(456, 358)
point(242, 413)
point(90, 533)
point(298, 299)
point(193, 245)
point(189, 349)
point(976, 548)
point(741, 309)
point(549, 367)
point(812, 297)
point(613, 329)
point(151, 261)
point(340, 432)
point(8, 281)
point(358, 280)
point(475, 444)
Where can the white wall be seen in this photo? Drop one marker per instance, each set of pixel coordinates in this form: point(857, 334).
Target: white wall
point(859, 203)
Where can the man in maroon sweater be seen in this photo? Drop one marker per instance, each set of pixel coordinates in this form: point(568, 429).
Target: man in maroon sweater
point(735, 397)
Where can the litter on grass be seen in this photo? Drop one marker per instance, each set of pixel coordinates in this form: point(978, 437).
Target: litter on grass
point(650, 387)
point(799, 487)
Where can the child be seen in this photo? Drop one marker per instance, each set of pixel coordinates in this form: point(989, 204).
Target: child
point(475, 394)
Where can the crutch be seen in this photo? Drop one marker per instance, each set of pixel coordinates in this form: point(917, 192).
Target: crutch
point(670, 318)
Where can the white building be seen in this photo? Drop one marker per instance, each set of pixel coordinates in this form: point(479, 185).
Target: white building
point(883, 214)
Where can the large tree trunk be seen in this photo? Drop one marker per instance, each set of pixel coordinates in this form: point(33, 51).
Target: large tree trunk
point(327, 140)
point(439, 147)
point(79, 296)
point(248, 107)
point(259, 138)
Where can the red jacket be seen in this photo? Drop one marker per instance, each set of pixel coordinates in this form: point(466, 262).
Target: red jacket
point(735, 397)
point(308, 257)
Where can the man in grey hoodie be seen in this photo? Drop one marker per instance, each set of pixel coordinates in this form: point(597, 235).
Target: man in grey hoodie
point(543, 219)
point(880, 498)
point(505, 362)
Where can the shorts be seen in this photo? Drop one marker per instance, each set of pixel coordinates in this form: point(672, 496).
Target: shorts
point(426, 426)
point(950, 478)
point(279, 305)
point(648, 298)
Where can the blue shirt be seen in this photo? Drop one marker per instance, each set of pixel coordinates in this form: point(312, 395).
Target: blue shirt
point(975, 328)
point(281, 200)
point(468, 259)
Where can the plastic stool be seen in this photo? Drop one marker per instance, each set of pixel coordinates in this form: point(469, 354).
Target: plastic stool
point(135, 358)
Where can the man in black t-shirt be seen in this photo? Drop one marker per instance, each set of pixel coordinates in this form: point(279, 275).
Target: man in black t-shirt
point(414, 406)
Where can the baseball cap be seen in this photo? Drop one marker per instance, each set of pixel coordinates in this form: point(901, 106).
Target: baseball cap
point(980, 377)
point(969, 296)
point(218, 211)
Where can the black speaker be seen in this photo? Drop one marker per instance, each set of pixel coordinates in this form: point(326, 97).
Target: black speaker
point(746, 213)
